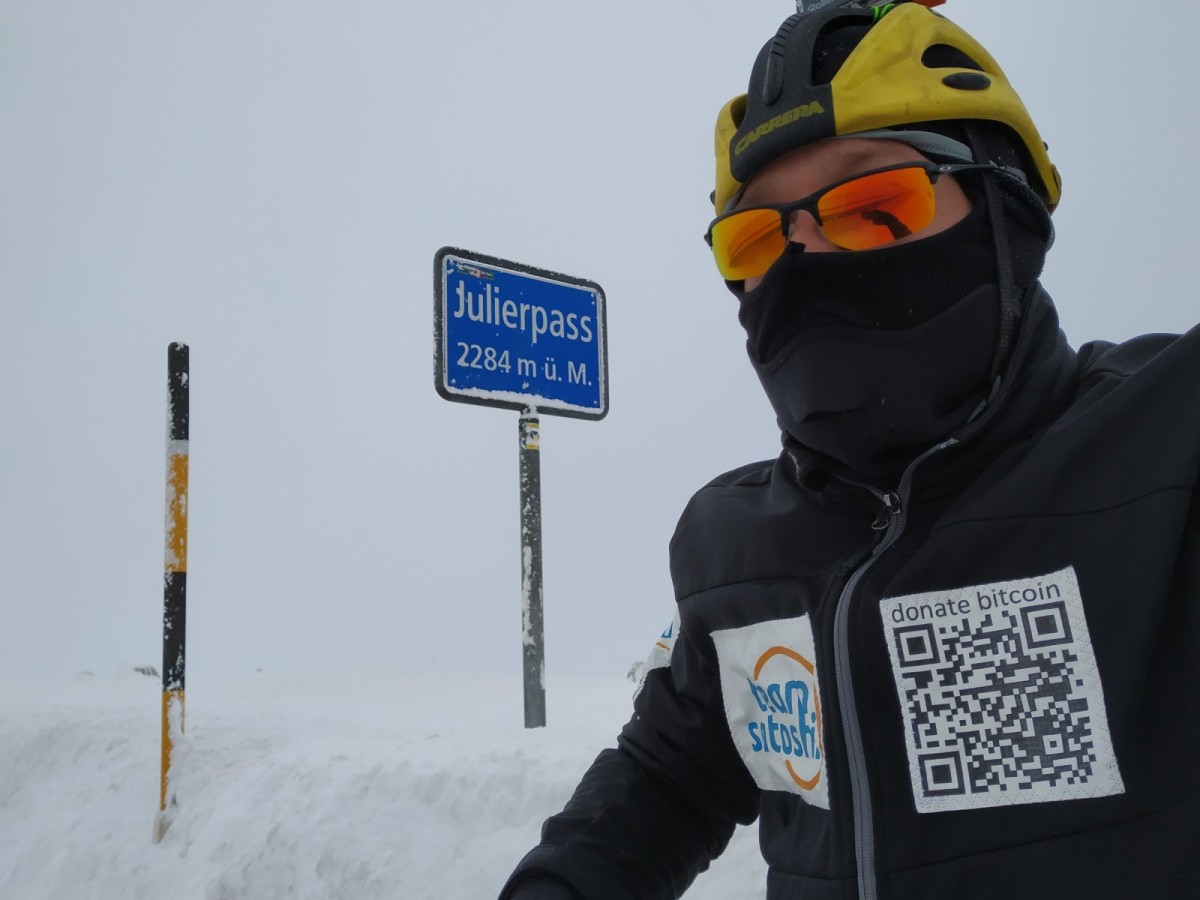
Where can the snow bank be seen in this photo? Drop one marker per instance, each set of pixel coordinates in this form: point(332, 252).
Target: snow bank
point(363, 785)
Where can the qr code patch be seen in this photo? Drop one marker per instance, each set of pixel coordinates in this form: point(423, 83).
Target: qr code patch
point(1001, 696)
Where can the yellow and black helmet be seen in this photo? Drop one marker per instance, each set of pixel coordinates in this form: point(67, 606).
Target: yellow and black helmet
point(847, 69)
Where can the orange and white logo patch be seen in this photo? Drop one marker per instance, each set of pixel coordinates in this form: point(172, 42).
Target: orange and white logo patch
point(773, 705)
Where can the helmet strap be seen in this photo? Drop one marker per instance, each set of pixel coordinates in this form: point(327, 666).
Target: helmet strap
point(1009, 299)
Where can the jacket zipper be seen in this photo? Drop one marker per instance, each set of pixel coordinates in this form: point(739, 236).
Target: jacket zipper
point(896, 504)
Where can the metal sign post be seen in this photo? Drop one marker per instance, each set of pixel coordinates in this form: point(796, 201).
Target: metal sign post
point(532, 632)
point(518, 337)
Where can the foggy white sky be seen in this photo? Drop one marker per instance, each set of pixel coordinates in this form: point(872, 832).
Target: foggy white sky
point(268, 181)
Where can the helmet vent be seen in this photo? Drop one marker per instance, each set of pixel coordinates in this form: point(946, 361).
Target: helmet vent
point(967, 81)
point(834, 44)
point(943, 56)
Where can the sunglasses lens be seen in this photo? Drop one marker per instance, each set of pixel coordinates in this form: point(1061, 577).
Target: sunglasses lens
point(867, 212)
point(746, 243)
point(877, 209)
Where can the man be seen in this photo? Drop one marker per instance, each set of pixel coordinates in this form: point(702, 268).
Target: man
point(944, 645)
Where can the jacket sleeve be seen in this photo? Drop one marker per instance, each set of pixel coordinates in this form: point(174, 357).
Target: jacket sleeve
point(651, 813)
point(539, 888)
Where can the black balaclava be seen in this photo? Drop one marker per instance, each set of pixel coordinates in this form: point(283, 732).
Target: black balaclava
point(871, 357)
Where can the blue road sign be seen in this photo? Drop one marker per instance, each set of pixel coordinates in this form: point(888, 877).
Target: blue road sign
point(513, 336)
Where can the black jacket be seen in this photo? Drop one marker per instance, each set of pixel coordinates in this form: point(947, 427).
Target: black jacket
point(984, 683)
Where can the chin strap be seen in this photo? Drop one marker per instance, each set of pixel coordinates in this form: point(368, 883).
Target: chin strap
point(1010, 307)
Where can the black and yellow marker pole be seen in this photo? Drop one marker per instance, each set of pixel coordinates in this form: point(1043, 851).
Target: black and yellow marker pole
point(174, 576)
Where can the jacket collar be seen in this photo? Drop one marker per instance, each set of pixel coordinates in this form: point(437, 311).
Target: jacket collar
point(1037, 384)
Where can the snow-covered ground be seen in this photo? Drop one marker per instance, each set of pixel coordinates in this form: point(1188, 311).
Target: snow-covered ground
point(340, 785)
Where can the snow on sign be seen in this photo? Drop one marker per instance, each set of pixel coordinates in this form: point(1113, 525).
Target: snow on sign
point(513, 336)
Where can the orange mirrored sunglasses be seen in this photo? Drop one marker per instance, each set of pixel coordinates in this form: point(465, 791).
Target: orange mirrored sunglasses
point(859, 213)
